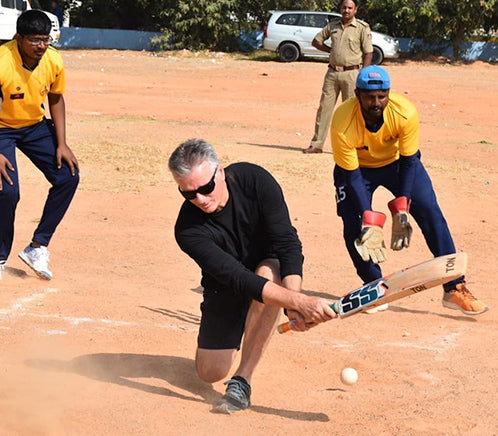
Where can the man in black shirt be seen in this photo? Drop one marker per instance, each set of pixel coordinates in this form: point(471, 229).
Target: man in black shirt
point(235, 225)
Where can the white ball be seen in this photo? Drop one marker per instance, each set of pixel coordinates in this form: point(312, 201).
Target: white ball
point(349, 376)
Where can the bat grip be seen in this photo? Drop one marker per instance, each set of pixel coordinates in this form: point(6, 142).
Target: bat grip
point(286, 326)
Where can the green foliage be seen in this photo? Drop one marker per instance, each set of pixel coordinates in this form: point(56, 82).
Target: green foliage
point(203, 24)
point(255, 13)
point(214, 24)
point(119, 14)
point(433, 20)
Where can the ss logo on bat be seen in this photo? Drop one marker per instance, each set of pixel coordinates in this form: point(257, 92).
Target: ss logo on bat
point(361, 297)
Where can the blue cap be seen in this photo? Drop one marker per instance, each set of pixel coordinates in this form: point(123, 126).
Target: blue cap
point(373, 77)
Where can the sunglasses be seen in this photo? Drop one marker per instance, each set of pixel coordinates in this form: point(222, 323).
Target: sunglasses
point(203, 190)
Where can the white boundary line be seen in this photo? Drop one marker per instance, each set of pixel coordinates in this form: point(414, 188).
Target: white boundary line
point(439, 345)
point(20, 308)
point(20, 304)
point(111, 322)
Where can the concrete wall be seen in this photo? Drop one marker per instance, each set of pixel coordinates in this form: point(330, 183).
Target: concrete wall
point(79, 37)
point(471, 51)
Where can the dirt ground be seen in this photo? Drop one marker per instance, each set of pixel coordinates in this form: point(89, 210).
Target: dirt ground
point(107, 347)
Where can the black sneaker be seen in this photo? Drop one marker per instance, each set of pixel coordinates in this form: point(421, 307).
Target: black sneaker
point(237, 396)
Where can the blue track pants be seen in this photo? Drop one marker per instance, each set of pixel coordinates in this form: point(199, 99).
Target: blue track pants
point(424, 209)
point(39, 144)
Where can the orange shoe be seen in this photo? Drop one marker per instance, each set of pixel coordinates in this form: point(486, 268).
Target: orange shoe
point(462, 299)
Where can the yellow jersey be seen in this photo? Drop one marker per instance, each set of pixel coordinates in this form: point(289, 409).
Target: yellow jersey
point(22, 91)
point(354, 146)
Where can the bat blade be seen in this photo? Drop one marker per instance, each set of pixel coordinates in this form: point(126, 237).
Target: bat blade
point(398, 285)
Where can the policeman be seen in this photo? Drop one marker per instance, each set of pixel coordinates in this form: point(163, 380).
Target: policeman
point(350, 49)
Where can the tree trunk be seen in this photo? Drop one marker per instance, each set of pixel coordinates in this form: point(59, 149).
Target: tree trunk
point(456, 40)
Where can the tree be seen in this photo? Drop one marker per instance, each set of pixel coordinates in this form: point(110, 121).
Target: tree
point(203, 24)
point(258, 11)
point(215, 24)
point(120, 14)
point(460, 19)
point(435, 20)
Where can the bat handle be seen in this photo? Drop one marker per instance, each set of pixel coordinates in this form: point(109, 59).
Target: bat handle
point(286, 326)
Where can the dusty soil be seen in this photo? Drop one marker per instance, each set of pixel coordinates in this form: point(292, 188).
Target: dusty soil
point(107, 346)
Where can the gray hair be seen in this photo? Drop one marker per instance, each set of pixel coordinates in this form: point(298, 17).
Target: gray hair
point(189, 154)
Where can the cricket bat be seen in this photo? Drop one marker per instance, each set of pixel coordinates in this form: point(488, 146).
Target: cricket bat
point(398, 285)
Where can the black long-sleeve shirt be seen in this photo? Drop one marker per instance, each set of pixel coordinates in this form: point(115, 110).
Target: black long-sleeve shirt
point(228, 245)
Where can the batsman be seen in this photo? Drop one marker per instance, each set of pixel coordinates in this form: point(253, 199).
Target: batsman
point(375, 143)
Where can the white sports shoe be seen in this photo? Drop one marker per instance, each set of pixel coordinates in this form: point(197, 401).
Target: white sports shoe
point(2, 267)
point(37, 259)
point(377, 309)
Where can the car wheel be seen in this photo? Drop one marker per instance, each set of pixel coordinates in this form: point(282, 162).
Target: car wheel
point(378, 56)
point(288, 52)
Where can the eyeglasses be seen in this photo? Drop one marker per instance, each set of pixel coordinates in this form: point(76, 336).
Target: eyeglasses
point(203, 190)
point(38, 41)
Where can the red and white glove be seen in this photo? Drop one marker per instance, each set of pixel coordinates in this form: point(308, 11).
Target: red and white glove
point(402, 229)
point(370, 244)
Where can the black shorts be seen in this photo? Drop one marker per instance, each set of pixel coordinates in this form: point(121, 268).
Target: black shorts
point(223, 319)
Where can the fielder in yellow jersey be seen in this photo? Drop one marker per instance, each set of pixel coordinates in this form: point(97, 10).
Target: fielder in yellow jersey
point(32, 72)
point(375, 143)
point(355, 146)
point(25, 91)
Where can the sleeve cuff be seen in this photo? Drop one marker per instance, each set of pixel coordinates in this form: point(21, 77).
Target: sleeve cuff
point(372, 218)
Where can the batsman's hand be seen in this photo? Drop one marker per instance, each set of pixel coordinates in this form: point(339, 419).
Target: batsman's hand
point(402, 229)
point(310, 312)
point(297, 321)
point(4, 166)
point(370, 244)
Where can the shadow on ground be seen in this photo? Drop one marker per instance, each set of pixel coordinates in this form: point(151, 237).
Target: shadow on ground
point(180, 372)
point(279, 147)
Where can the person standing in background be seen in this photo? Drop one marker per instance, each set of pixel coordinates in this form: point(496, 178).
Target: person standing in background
point(57, 11)
point(350, 49)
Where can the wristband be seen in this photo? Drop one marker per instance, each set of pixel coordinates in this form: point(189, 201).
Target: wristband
point(399, 204)
point(372, 218)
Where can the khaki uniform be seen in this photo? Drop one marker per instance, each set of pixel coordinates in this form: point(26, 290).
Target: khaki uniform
point(348, 45)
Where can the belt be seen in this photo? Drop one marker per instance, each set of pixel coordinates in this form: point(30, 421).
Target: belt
point(340, 68)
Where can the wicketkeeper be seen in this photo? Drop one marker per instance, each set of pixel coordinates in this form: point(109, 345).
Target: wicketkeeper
point(375, 143)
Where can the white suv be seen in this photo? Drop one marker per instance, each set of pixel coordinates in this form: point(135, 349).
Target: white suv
point(289, 33)
point(9, 13)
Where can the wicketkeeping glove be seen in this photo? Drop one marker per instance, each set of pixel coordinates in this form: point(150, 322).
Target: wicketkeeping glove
point(370, 244)
point(402, 229)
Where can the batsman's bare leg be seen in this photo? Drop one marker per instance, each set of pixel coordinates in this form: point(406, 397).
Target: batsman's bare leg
point(260, 324)
point(214, 365)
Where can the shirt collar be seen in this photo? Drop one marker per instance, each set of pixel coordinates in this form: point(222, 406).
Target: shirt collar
point(353, 23)
point(18, 57)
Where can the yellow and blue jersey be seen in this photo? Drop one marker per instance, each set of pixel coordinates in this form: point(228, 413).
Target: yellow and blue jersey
point(22, 91)
point(356, 147)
